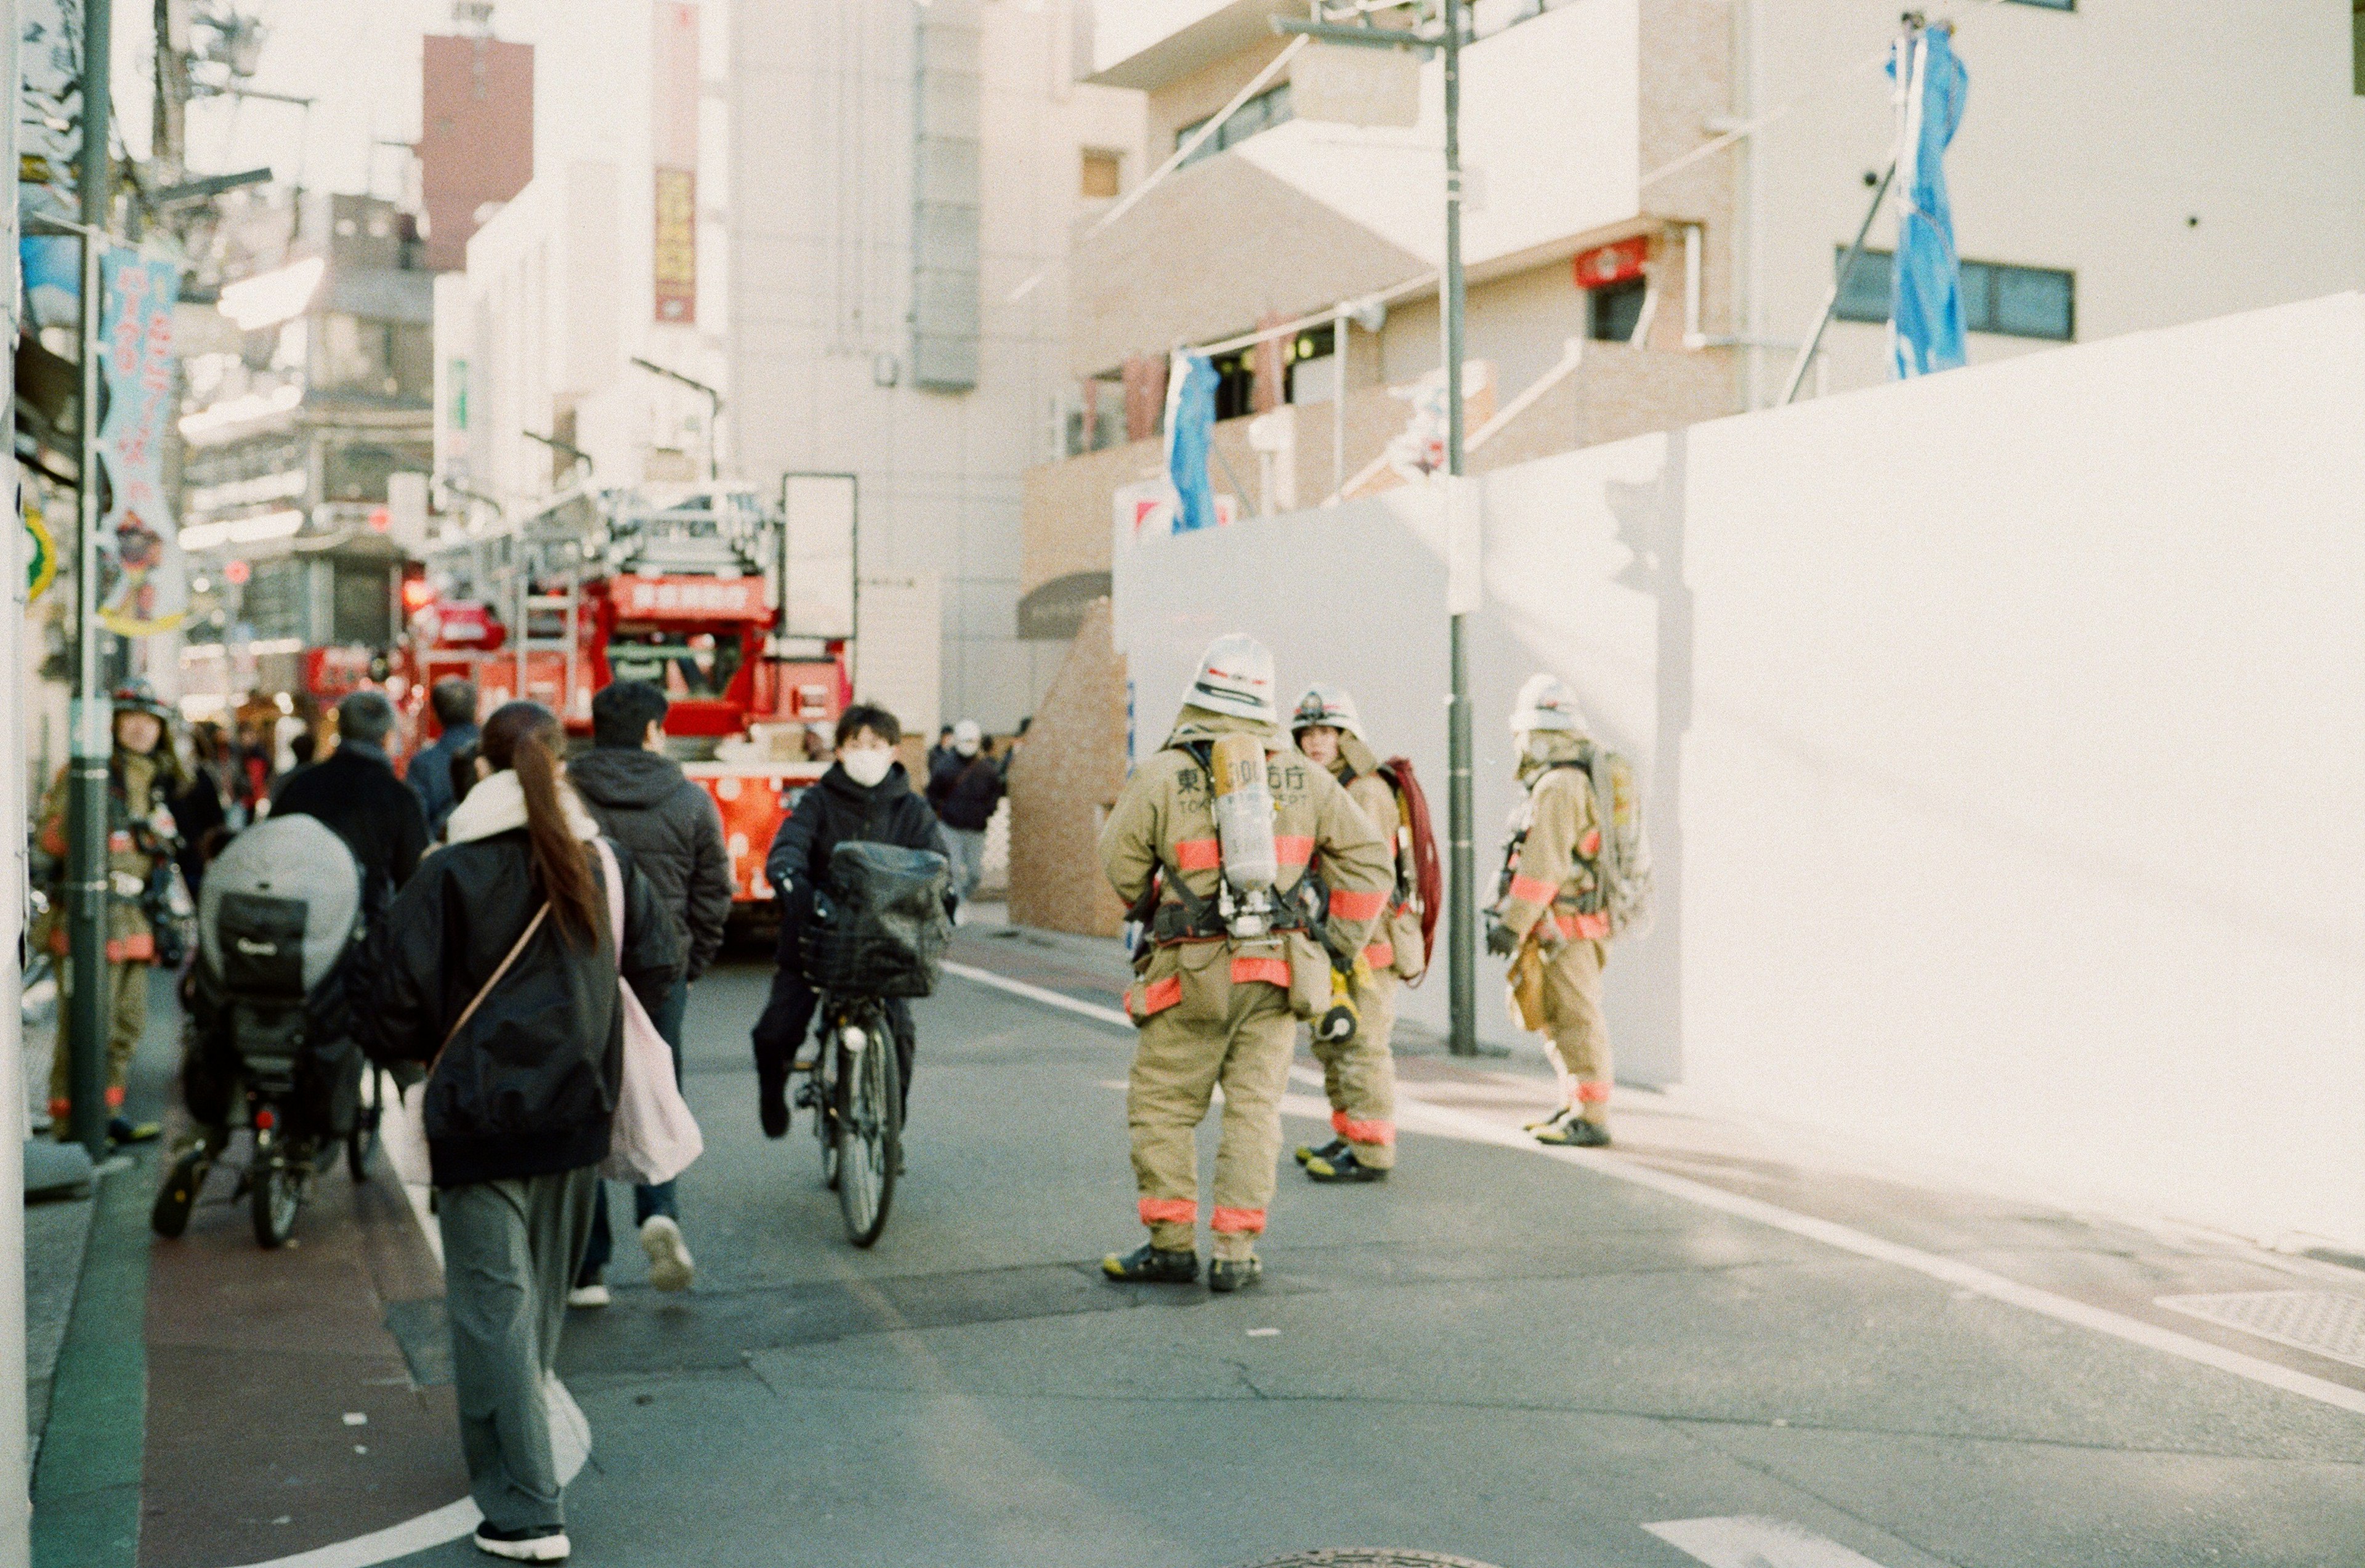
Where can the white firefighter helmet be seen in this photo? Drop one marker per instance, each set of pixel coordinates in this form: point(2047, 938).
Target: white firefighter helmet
point(1235, 678)
point(1544, 704)
point(1327, 705)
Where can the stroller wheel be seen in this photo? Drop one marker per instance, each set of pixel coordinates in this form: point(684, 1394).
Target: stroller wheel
point(278, 1192)
point(170, 1217)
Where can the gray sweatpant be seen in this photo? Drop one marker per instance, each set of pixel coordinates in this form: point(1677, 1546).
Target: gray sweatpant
point(510, 1253)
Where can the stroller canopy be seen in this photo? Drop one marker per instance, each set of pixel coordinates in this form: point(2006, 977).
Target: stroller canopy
point(296, 859)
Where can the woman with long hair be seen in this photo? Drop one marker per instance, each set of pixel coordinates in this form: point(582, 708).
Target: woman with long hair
point(498, 969)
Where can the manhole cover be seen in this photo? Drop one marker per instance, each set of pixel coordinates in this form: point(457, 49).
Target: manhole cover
point(2328, 1323)
point(1364, 1557)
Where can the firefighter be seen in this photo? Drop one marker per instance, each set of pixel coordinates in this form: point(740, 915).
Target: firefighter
point(1550, 901)
point(1358, 1072)
point(142, 775)
point(1226, 861)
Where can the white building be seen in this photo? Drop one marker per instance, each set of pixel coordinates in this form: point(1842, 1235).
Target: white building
point(873, 186)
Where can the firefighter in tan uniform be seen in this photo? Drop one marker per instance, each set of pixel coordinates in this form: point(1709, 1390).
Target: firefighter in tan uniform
point(1231, 958)
point(1358, 1072)
point(143, 776)
point(1550, 901)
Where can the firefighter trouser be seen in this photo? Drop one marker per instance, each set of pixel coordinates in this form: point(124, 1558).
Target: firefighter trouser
point(1360, 1075)
point(1574, 1028)
point(126, 988)
point(1176, 1066)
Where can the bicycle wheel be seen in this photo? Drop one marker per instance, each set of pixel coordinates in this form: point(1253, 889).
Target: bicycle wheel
point(170, 1217)
point(361, 1142)
point(869, 1131)
point(824, 1113)
point(276, 1197)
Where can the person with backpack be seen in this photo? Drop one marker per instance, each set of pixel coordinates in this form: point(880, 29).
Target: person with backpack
point(641, 801)
point(1359, 1073)
point(497, 967)
point(1559, 892)
point(1249, 866)
point(865, 797)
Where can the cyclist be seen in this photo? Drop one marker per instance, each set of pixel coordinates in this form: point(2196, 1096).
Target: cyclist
point(865, 797)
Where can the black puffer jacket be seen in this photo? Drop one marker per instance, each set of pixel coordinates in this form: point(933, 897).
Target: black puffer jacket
point(674, 834)
point(972, 794)
point(356, 795)
point(837, 810)
point(529, 1087)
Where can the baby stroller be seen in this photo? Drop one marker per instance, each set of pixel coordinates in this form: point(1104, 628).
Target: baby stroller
point(268, 1037)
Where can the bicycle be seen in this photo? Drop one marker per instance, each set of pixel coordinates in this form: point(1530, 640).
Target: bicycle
point(855, 1090)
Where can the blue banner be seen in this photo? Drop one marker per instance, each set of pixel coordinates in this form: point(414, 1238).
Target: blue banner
point(1925, 299)
point(150, 592)
point(1190, 435)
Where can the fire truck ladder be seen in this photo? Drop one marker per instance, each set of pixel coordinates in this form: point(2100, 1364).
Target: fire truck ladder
point(567, 644)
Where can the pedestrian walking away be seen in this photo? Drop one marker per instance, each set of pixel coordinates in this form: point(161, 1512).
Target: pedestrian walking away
point(865, 796)
point(1553, 913)
point(143, 776)
point(641, 799)
point(965, 794)
point(1359, 1073)
point(498, 971)
point(1247, 867)
point(454, 703)
point(354, 793)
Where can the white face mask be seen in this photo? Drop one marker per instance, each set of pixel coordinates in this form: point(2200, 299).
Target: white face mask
point(869, 765)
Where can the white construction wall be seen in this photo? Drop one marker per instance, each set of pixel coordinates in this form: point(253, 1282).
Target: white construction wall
point(2005, 734)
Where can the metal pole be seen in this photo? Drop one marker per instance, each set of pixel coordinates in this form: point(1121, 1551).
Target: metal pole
point(1832, 300)
point(16, 1504)
point(1462, 935)
point(87, 1007)
point(1338, 331)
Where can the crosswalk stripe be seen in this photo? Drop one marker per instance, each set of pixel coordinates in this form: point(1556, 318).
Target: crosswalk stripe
point(1749, 1540)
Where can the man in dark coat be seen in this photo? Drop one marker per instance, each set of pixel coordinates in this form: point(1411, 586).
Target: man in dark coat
point(642, 801)
point(430, 776)
point(865, 798)
point(356, 795)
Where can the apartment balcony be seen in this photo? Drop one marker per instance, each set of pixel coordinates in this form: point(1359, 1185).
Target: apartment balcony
point(1595, 392)
point(1561, 110)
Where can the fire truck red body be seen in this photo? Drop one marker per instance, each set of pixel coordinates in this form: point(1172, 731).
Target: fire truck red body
point(677, 586)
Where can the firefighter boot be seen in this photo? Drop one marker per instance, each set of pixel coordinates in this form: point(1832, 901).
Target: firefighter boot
point(1342, 1167)
point(1575, 1132)
point(1226, 1275)
point(1306, 1152)
point(1152, 1264)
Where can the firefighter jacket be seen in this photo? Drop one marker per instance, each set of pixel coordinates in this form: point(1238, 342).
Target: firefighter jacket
point(1396, 943)
point(1164, 825)
point(140, 838)
point(1550, 862)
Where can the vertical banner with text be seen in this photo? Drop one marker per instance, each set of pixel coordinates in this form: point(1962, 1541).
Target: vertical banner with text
point(140, 538)
point(673, 92)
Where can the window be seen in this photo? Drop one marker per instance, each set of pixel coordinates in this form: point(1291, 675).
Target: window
point(2012, 302)
point(2049, 4)
point(1312, 373)
point(1098, 178)
point(1614, 311)
point(1235, 383)
point(1267, 109)
point(2357, 45)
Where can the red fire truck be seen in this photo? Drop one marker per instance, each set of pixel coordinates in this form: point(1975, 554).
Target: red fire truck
point(680, 585)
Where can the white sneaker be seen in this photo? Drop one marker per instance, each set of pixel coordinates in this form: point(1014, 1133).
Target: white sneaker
point(551, 1547)
point(670, 1266)
point(584, 1295)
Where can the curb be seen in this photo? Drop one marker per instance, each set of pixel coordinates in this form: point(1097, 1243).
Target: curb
point(86, 1484)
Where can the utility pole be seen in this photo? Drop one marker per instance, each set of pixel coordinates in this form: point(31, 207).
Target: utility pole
point(92, 725)
point(1461, 878)
point(1462, 935)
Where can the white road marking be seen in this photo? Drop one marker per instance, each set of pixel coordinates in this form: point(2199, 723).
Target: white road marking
point(1419, 1116)
point(1750, 1542)
point(1037, 993)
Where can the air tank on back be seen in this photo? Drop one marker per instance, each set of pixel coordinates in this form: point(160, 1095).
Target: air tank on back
point(1244, 829)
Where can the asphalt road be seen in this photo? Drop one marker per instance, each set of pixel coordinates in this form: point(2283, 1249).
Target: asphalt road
point(1499, 1355)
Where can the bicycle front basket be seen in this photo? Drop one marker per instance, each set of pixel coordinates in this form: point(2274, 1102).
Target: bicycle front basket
point(880, 928)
